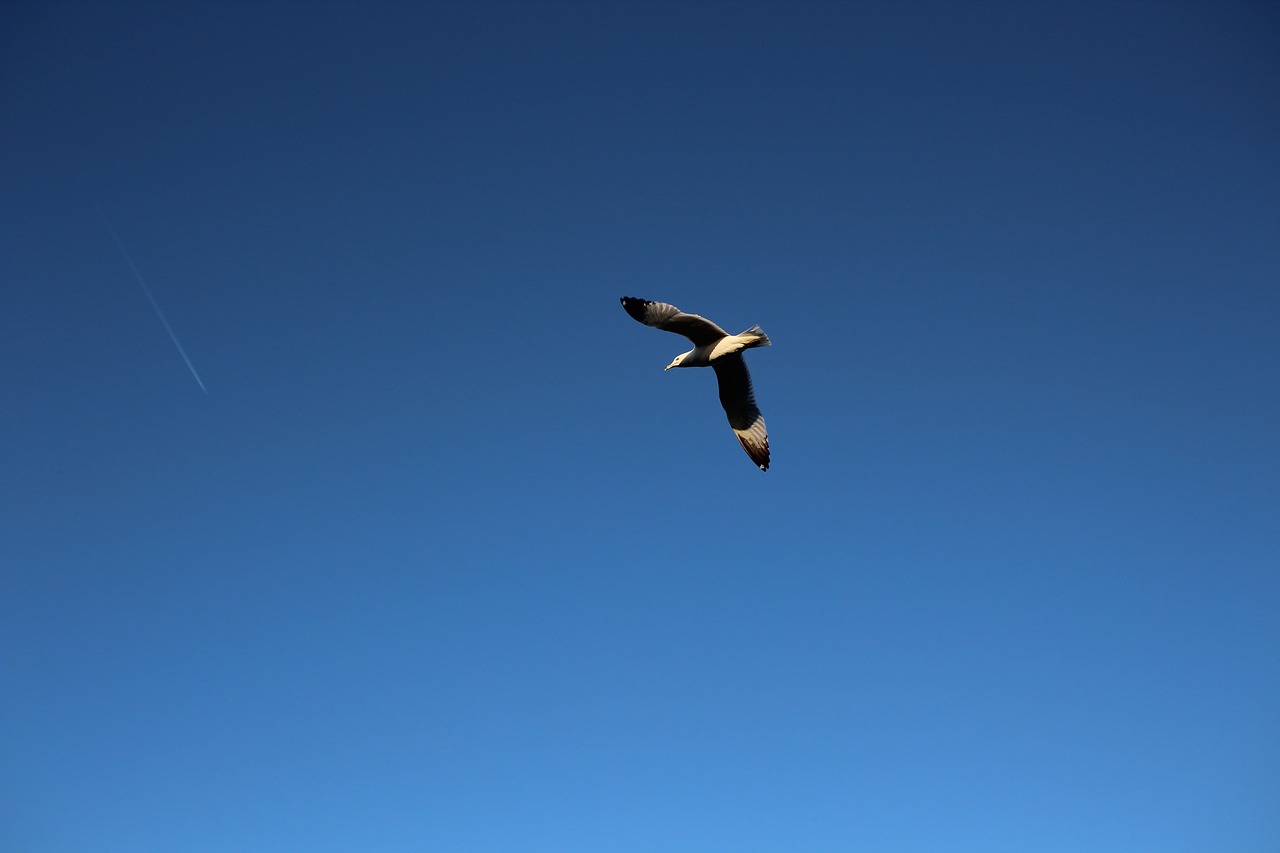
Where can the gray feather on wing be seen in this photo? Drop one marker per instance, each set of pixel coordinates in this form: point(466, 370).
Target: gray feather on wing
point(669, 318)
point(739, 401)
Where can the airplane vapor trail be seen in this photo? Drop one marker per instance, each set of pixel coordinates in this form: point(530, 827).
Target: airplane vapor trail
point(151, 298)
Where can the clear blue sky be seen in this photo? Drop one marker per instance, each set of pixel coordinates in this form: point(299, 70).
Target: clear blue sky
point(443, 561)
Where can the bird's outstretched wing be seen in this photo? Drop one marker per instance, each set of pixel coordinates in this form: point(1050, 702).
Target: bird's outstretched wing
point(669, 318)
point(739, 403)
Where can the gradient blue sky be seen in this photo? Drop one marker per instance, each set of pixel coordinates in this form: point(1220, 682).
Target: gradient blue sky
point(443, 561)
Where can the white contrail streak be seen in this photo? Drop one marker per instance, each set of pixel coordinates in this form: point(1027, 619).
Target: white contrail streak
point(151, 298)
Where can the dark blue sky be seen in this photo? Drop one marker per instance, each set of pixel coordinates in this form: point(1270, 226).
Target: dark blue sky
point(444, 561)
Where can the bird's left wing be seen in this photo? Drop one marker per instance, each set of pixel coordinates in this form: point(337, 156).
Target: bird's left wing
point(669, 318)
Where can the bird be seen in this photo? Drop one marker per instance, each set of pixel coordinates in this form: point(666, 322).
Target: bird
point(715, 348)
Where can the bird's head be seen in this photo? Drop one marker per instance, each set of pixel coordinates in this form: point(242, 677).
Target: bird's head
point(676, 361)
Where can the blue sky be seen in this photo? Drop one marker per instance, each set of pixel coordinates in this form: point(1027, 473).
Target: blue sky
point(443, 560)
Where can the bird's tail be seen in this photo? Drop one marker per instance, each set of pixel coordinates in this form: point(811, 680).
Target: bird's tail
point(761, 339)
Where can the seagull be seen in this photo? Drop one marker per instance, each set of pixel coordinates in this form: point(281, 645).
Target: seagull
point(714, 347)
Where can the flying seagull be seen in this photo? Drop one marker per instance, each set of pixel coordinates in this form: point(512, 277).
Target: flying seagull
point(714, 347)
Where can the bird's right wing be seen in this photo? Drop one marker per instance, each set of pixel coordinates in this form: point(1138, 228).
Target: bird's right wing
point(669, 318)
point(739, 403)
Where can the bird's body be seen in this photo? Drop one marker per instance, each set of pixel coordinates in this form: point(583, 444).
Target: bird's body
point(703, 356)
point(715, 348)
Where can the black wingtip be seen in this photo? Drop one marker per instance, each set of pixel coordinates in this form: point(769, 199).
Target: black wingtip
point(635, 307)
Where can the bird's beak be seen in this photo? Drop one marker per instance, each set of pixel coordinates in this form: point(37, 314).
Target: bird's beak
point(665, 369)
